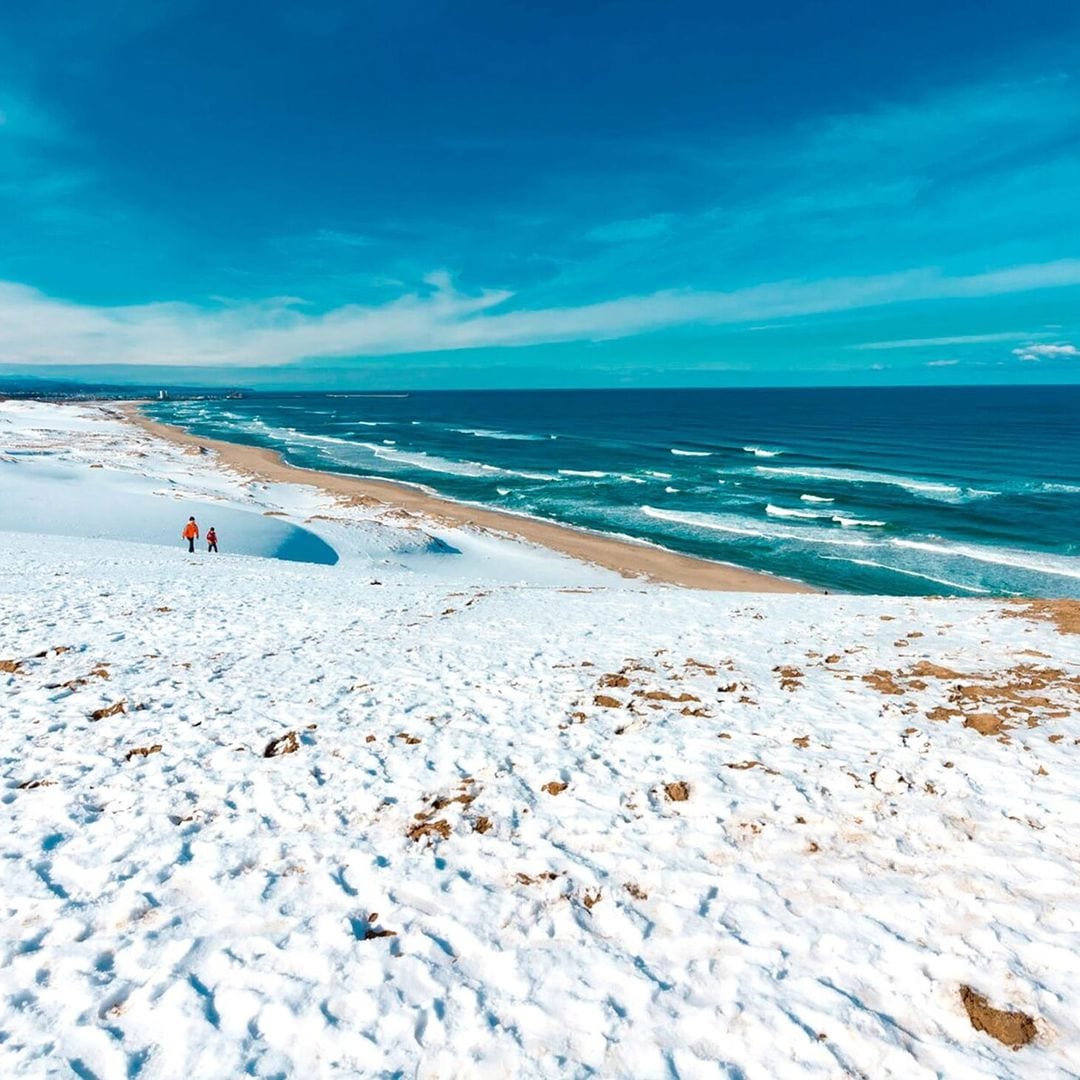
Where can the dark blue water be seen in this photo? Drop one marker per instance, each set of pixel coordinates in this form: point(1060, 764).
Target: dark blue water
point(964, 491)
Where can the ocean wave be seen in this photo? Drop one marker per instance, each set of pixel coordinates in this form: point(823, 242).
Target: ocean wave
point(691, 453)
point(761, 451)
point(1051, 488)
point(907, 573)
point(631, 479)
point(1032, 561)
point(425, 462)
point(303, 436)
point(929, 488)
point(783, 511)
point(856, 523)
point(816, 499)
point(672, 490)
point(661, 475)
point(588, 473)
point(518, 472)
point(484, 433)
point(753, 528)
point(822, 515)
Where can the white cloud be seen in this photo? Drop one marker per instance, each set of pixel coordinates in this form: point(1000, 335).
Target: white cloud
point(1046, 352)
point(959, 339)
point(42, 330)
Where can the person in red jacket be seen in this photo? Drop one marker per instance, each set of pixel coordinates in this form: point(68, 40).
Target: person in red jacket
point(190, 534)
point(211, 540)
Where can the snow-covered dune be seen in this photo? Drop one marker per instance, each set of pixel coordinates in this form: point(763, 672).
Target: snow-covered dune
point(411, 814)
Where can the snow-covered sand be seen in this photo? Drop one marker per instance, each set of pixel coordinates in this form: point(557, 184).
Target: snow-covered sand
point(533, 819)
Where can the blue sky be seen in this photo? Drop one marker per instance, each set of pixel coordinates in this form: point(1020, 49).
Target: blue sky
point(428, 195)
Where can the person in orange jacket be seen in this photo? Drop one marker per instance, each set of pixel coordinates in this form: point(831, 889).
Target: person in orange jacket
point(211, 540)
point(191, 534)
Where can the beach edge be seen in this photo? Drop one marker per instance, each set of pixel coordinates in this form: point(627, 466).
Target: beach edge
point(629, 559)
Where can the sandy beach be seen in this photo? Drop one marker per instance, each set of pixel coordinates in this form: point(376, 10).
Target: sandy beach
point(624, 557)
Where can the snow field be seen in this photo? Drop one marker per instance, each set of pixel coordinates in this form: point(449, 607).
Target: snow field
point(521, 817)
point(839, 866)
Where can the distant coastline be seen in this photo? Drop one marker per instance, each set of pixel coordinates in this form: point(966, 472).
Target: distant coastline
point(623, 556)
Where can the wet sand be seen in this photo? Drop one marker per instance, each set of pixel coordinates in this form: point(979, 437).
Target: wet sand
point(626, 558)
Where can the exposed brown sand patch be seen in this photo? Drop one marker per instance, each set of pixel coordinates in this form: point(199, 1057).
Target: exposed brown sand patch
point(926, 670)
point(991, 703)
point(605, 701)
point(985, 723)
point(440, 829)
point(750, 765)
point(883, 682)
point(628, 559)
point(142, 751)
point(678, 791)
point(790, 677)
point(1064, 614)
point(528, 879)
point(663, 695)
point(1014, 1029)
point(284, 744)
point(108, 710)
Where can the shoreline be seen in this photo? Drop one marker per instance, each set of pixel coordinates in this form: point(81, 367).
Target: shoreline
point(629, 559)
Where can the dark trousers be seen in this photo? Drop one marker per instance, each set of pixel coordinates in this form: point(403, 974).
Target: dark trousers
point(191, 545)
point(211, 546)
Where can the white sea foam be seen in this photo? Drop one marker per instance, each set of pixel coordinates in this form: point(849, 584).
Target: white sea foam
point(857, 523)
point(816, 499)
point(929, 488)
point(691, 453)
point(671, 490)
point(761, 451)
point(484, 433)
point(783, 511)
point(425, 462)
point(752, 527)
point(590, 474)
point(519, 472)
point(303, 436)
point(661, 475)
point(907, 573)
point(631, 479)
point(1035, 562)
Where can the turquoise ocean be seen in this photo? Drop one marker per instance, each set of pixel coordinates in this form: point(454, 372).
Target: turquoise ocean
point(953, 491)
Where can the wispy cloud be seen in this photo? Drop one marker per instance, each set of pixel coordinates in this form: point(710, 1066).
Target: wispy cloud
point(957, 339)
point(1059, 351)
point(43, 330)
